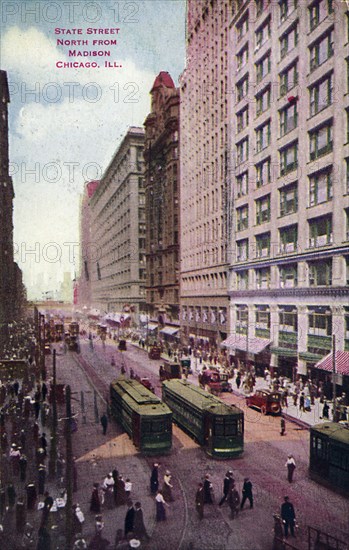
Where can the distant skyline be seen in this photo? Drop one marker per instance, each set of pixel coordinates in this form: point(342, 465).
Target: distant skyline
point(66, 123)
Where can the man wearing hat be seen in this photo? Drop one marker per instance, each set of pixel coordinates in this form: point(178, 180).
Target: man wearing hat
point(291, 466)
point(227, 483)
point(154, 479)
point(288, 516)
point(129, 518)
point(247, 493)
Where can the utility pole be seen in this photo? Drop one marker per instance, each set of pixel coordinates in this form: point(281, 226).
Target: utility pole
point(69, 470)
point(53, 448)
point(334, 376)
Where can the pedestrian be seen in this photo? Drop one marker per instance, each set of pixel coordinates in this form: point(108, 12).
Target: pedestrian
point(291, 466)
point(14, 459)
point(247, 493)
point(43, 442)
point(11, 495)
point(200, 500)
point(48, 503)
point(208, 490)
point(108, 488)
point(154, 479)
point(2, 502)
point(31, 496)
point(129, 518)
point(23, 467)
point(80, 543)
point(104, 422)
point(36, 409)
point(78, 519)
point(301, 402)
point(325, 410)
point(23, 439)
point(233, 501)
point(44, 391)
point(238, 380)
point(120, 492)
point(282, 426)
point(307, 405)
point(99, 524)
point(167, 487)
point(288, 516)
point(41, 478)
point(21, 515)
point(160, 507)
point(128, 487)
point(95, 502)
point(227, 482)
point(138, 523)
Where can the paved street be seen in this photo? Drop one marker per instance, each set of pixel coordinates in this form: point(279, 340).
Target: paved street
point(263, 461)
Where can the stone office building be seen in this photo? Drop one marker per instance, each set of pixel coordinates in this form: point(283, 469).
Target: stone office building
point(117, 252)
point(162, 204)
point(288, 284)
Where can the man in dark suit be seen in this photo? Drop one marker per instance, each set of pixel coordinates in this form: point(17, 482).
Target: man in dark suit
point(247, 493)
point(288, 516)
point(129, 518)
point(227, 483)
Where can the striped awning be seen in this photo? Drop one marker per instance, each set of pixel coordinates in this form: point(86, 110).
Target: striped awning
point(342, 363)
point(254, 345)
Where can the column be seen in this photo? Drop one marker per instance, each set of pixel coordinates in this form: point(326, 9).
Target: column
point(302, 337)
point(274, 332)
point(338, 326)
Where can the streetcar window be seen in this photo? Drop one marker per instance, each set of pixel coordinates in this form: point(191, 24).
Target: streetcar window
point(219, 427)
point(230, 428)
point(157, 427)
point(146, 427)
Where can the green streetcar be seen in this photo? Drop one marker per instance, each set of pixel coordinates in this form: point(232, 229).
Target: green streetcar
point(329, 455)
point(218, 427)
point(143, 416)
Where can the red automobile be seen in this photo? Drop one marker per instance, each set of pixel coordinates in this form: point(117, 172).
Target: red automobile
point(266, 401)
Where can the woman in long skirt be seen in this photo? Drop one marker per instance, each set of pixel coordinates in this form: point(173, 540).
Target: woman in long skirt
point(160, 507)
point(95, 503)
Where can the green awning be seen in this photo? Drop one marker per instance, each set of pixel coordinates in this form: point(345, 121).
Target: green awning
point(307, 356)
point(287, 352)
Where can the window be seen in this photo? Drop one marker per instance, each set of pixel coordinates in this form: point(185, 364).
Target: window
point(242, 250)
point(288, 239)
point(263, 34)
point(242, 119)
point(261, 6)
point(263, 101)
point(320, 188)
point(288, 276)
point(321, 95)
point(242, 151)
point(242, 280)
point(320, 231)
point(263, 210)
point(263, 245)
point(263, 136)
point(321, 141)
point(262, 317)
point(242, 28)
point(241, 318)
point(242, 218)
point(242, 58)
point(321, 51)
point(242, 89)
point(320, 321)
point(242, 184)
point(288, 320)
point(288, 199)
point(263, 278)
point(347, 224)
point(263, 67)
point(347, 174)
point(289, 158)
point(286, 8)
point(288, 41)
point(288, 119)
point(288, 79)
point(263, 173)
point(318, 11)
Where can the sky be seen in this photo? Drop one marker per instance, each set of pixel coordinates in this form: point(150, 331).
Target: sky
point(65, 124)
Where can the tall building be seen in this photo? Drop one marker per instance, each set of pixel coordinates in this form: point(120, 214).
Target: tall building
point(204, 157)
point(11, 286)
point(83, 297)
point(162, 201)
point(289, 109)
point(117, 249)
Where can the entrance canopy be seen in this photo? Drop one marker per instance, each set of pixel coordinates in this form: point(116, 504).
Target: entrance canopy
point(169, 330)
point(254, 345)
point(342, 363)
